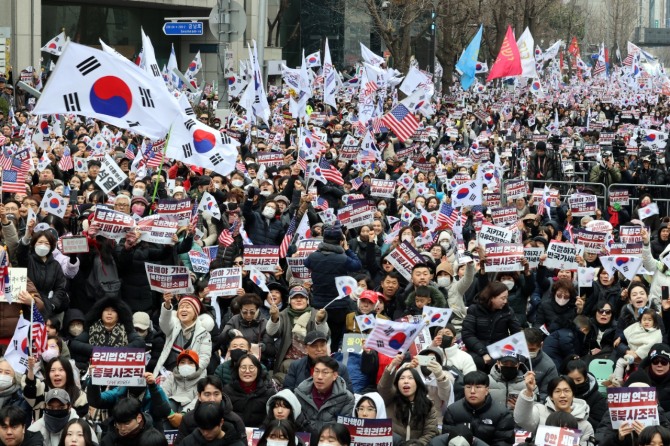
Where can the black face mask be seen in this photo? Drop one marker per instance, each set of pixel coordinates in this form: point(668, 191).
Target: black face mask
point(55, 420)
point(508, 373)
point(236, 354)
point(582, 388)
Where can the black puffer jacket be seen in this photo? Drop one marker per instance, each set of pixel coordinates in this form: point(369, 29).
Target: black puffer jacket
point(326, 263)
point(492, 423)
point(610, 294)
point(47, 277)
point(595, 400)
point(483, 327)
point(261, 231)
point(553, 316)
point(188, 424)
point(250, 406)
point(131, 262)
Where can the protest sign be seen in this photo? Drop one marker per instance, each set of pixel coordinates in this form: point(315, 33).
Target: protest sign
point(591, 150)
point(403, 258)
point(112, 224)
point(630, 234)
point(626, 249)
point(168, 279)
point(368, 431)
point(583, 204)
point(599, 226)
point(357, 213)
point(270, 159)
point(170, 435)
point(492, 198)
point(199, 261)
point(74, 245)
point(351, 343)
point(504, 216)
point(308, 246)
point(224, 282)
point(619, 196)
point(503, 257)
point(264, 258)
point(180, 208)
point(493, 234)
point(516, 189)
point(592, 242)
point(110, 175)
point(533, 256)
point(561, 255)
point(557, 436)
point(628, 404)
point(118, 366)
point(382, 188)
point(18, 281)
point(298, 269)
point(158, 228)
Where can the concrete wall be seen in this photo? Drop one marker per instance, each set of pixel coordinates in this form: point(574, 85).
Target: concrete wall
point(23, 18)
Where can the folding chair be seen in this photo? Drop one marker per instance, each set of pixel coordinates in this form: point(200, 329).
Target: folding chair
point(602, 369)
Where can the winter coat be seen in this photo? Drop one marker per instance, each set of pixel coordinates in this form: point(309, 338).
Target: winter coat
point(545, 371)
point(254, 331)
point(662, 384)
point(250, 406)
point(302, 423)
point(437, 299)
point(201, 341)
point(301, 369)
point(34, 391)
point(135, 287)
point(528, 415)
point(261, 230)
point(112, 438)
point(661, 275)
point(640, 340)
point(423, 430)
point(32, 439)
point(188, 424)
point(500, 389)
point(231, 438)
point(459, 359)
point(541, 169)
point(492, 422)
point(282, 330)
point(13, 396)
point(182, 389)
point(455, 293)
point(154, 401)
point(483, 327)
point(610, 294)
point(341, 402)
point(52, 438)
point(554, 316)
point(81, 349)
point(155, 343)
point(47, 277)
point(605, 435)
point(606, 176)
point(595, 400)
point(326, 263)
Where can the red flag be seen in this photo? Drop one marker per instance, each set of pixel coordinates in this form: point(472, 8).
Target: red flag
point(573, 49)
point(508, 62)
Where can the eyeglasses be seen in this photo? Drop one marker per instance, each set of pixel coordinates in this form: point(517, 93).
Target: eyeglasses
point(366, 409)
point(478, 388)
point(605, 312)
point(322, 372)
point(248, 311)
point(660, 361)
point(249, 368)
point(238, 263)
point(562, 391)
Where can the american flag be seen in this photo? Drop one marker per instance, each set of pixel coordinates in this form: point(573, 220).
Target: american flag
point(377, 125)
point(330, 173)
point(628, 61)
point(302, 160)
point(195, 215)
point(65, 162)
point(447, 216)
point(154, 153)
point(401, 121)
point(130, 151)
point(568, 229)
point(320, 204)
point(225, 238)
point(13, 181)
point(356, 183)
point(241, 167)
point(288, 238)
point(38, 332)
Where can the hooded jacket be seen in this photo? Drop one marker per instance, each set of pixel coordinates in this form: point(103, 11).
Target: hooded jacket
point(529, 415)
point(377, 400)
point(182, 389)
point(437, 299)
point(483, 327)
point(554, 316)
point(661, 272)
point(326, 263)
point(302, 423)
point(47, 277)
point(231, 438)
point(52, 438)
point(340, 402)
point(188, 424)
point(459, 359)
point(595, 400)
point(501, 389)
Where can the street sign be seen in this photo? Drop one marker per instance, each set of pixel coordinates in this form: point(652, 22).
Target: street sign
point(183, 28)
point(235, 19)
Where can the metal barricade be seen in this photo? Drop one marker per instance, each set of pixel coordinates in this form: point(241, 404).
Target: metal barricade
point(599, 189)
point(660, 193)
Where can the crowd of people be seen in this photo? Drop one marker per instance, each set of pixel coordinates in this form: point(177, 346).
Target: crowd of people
point(272, 356)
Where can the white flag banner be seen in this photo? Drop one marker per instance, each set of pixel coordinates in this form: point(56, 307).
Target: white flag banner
point(55, 45)
point(371, 57)
point(329, 78)
point(346, 285)
point(526, 51)
point(313, 60)
point(92, 83)
point(17, 350)
point(436, 317)
point(512, 345)
point(390, 338)
point(209, 206)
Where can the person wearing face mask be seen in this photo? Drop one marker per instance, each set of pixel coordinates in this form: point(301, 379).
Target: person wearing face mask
point(438, 381)
point(139, 206)
point(57, 414)
point(586, 388)
point(506, 380)
point(154, 340)
point(455, 290)
point(558, 311)
point(73, 321)
point(542, 364)
point(278, 433)
point(264, 228)
point(10, 390)
point(180, 386)
point(139, 189)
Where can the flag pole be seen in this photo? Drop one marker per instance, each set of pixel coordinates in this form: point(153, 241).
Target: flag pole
point(160, 168)
point(30, 344)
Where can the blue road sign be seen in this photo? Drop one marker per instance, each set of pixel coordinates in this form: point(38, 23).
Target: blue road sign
point(183, 29)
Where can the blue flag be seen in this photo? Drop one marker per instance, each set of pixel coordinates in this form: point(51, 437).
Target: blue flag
point(468, 61)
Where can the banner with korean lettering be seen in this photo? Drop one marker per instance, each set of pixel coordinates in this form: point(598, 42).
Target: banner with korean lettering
point(368, 431)
point(403, 259)
point(630, 234)
point(110, 175)
point(158, 228)
point(504, 216)
point(112, 366)
point(180, 208)
point(561, 255)
point(112, 224)
point(516, 189)
point(628, 404)
point(264, 258)
point(270, 159)
point(358, 213)
point(557, 436)
point(199, 261)
point(169, 279)
point(582, 205)
point(503, 257)
point(533, 256)
point(382, 188)
point(224, 282)
point(593, 242)
point(390, 338)
point(619, 196)
point(308, 246)
point(298, 269)
point(493, 234)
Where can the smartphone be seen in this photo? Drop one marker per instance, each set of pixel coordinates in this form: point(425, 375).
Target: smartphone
point(665, 294)
point(446, 341)
point(425, 359)
point(74, 193)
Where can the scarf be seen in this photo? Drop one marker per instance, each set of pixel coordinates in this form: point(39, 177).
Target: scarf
point(614, 216)
point(100, 336)
point(7, 393)
point(248, 387)
point(292, 314)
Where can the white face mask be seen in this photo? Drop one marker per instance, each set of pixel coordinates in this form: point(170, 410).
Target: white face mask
point(381, 207)
point(406, 238)
point(532, 355)
point(5, 381)
point(419, 206)
point(277, 442)
point(268, 212)
point(137, 192)
point(186, 369)
point(508, 283)
point(237, 183)
point(42, 250)
point(265, 193)
point(443, 282)
point(50, 354)
point(76, 329)
point(561, 301)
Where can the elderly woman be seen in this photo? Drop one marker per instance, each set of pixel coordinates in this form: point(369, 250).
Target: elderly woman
point(291, 326)
point(108, 324)
point(184, 329)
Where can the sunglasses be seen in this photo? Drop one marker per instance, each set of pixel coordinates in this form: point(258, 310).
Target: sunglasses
point(238, 263)
point(605, 312)
point(660, 361)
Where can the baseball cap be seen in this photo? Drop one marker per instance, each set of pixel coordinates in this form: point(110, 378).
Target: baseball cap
point(191, 354)
point(510, 357)
point(314, 336)
point(298, 291)
point(141, 320)
point(370, 295)
point(57, 394)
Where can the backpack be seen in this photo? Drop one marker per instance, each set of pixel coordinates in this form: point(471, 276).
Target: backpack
point(103, 281)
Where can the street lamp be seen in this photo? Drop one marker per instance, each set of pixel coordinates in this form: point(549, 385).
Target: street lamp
point(433, 39)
